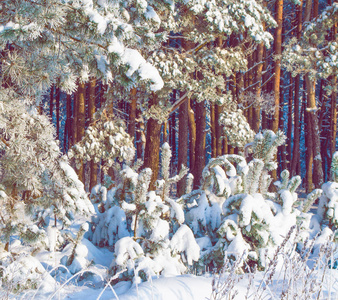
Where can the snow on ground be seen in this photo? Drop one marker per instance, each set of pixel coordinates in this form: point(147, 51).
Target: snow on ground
point(187, 287)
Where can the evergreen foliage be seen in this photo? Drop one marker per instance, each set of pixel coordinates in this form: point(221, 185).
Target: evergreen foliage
point(328, 204)
point(235, 209)
point(71, 40)
point(106, 140)
point(145, 229)
point(37, 184)
point(236, 128)
point(315, 53)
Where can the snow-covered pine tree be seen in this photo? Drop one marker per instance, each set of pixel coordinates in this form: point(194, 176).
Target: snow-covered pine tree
point(314, 55)
point(37, 185)
point(235, 209)
point(76, 261)
point(45, 41)
point(144, 228)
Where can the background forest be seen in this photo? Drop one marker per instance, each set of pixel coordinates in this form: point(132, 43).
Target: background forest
point(218, 63)
point(174, 134)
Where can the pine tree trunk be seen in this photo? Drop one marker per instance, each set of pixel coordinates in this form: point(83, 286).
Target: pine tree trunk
point(233, 84)
point(172, 133)
point(91, 111)
point(75, 112)
point(152, 149)
point(213, 130)
point(282, 148)
point(132, 114)
point(192, 137)
point(240, 87)
point(309, 153)
point(68, 132)
point(200, 143)
point(289, 129)
point(333, 120)
point(165, 131)
point(218, 110)
point(249, 88)
point(57, 107)
point(265, 77)
point(140, 138)
point(80, 124)
point(277, 66)
point(183, 139)
point(258, 86)
point(295, 165)
point(51, 102)
point(318, 176)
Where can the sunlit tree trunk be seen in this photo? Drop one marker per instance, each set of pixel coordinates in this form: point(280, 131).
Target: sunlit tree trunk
point(57, 107)
point(80, 124)
point(132, 113)
point(258, 86)
point(91, 112)
point(192, 137)
point(200, 114)
point(277, 67)
point(295, 165)
point(183, 139)
point(152, 148)
point(314, 155)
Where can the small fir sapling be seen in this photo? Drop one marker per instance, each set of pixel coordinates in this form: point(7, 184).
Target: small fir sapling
point(76, 261)
point(113, 220)
point(167, 181)
point(251, 218)
point(22, 273)
point(264, 148)
point(176, 211)
point(328, 202)
point(136, 224)
point(204, 206)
